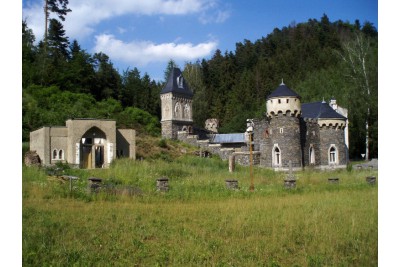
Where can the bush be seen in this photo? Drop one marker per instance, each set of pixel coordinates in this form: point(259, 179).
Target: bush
point(163, 143)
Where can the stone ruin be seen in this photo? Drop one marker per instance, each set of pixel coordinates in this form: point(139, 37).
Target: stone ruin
point(32, 159)
point(212, 125)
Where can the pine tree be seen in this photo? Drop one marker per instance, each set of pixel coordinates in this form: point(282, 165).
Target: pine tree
point(28, 54)
point(59, 7)
point(57, 41)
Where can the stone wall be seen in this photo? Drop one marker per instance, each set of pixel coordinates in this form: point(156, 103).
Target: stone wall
point(310, 137)
point(284, 132)
point(262, 141)
point(329, 136)
point(170, 129)
point(126, 143)
point(38, 143)
point(243, 158)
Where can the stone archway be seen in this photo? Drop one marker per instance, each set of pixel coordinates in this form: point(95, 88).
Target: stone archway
point(92, 148)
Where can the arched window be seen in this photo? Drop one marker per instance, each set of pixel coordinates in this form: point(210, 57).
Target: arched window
point(186, 111)
point(178, 110)
point(312, 155)
point(333, 157)
point(55, 154)
point(276, 156)
point(61, 154)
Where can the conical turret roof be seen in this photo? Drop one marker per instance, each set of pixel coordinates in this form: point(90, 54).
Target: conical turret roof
point(283, 91)
point(177, 84)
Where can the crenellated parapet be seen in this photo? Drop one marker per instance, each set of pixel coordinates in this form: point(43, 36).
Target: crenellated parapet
point(283, 100)
point(332, 123)
point(283, 105)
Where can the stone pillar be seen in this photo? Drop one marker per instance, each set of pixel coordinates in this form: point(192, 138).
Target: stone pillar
point(290, 181)
point(231, 163)
point(371, 180)
point(162, 184)
point(95, 184)
point(232, 184)
point(333, 180)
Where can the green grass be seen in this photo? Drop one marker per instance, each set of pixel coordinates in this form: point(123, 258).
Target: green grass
point(199, 222)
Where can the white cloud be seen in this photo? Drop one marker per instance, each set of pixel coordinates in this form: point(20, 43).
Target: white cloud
point(142, 53)
point(215, 16)
point(87, 14)
point(121, 30)
point(222, 16)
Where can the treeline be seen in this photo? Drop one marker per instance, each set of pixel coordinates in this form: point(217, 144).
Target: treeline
point(60, 80)
point(318, 59)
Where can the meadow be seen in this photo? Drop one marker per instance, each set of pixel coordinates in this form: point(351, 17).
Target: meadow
point(199, 222)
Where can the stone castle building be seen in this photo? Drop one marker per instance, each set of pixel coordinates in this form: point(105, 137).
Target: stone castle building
point(309, 134)
point(84, 143)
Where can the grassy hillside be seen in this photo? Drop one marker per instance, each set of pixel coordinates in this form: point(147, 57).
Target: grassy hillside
point(198, 221)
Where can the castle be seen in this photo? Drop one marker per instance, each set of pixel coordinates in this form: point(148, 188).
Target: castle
point(291, 133)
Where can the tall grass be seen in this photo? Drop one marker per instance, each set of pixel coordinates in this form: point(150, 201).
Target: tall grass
point(198, 221)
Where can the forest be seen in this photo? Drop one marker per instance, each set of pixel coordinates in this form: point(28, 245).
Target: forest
point(318, 59)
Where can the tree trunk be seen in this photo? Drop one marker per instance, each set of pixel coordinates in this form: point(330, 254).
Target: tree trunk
point(46, 18)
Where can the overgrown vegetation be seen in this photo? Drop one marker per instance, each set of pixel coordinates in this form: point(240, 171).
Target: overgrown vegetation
point(198, 221)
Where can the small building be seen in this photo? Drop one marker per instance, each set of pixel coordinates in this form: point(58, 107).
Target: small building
point(84, 143)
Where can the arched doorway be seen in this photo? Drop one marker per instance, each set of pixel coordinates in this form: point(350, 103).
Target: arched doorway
point(92, 148)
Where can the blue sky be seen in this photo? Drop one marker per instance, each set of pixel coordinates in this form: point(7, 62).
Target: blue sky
point(147, 33)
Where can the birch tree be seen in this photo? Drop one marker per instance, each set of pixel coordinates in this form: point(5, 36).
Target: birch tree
point(355, 56)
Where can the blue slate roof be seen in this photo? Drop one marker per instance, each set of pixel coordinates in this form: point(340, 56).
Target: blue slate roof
point(229, 138)
point(283, 91)
point(173, 86)
point(319, 110)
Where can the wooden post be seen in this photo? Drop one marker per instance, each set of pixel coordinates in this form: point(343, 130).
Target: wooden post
point(251, 164)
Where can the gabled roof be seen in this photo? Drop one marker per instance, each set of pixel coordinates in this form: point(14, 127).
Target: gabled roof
point(173, 86)
point(229, 138)
point(283, 90)
point(319, 110)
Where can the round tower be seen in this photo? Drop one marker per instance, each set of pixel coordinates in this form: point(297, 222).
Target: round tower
point(176, 106)
point(283, 113)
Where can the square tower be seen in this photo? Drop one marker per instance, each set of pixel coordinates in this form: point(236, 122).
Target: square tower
point(176, 106)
